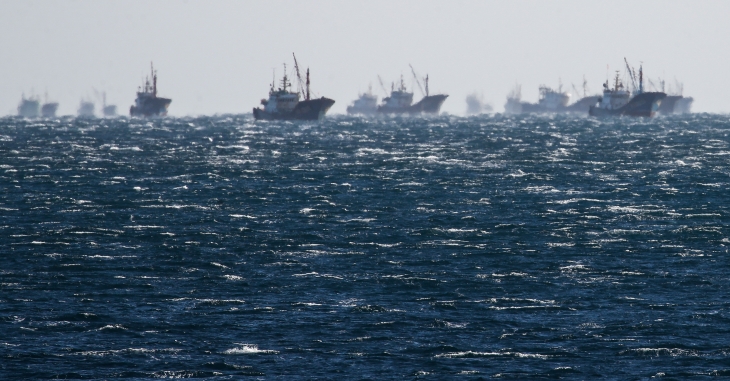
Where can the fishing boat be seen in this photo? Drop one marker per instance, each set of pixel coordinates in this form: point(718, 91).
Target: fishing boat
point(148, 103)
point(475, 105)
point(108, 110)
point(400, 100)
point(550, 101)
point(86, 109)
point(28, 107)
point(365, 104)
point(284, 104)
point(48, 110)
point(619, 101)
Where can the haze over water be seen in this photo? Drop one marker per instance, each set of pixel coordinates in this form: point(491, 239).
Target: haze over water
point(218, 56)
point(435, 248)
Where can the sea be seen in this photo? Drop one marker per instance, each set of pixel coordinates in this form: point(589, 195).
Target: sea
point(434, 248)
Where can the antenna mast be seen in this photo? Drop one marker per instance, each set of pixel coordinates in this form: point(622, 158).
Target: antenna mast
point(284, 81)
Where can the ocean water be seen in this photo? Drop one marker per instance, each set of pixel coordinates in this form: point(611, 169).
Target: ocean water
point(437, 248)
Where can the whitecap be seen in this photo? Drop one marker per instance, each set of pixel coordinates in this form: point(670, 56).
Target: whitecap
point(490, 354)
point(247, 349)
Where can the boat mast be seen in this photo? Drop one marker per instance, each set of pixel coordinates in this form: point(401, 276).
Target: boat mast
point(273, 81)
point(641, 79)
point(154, 80)
point(284, 80)
point(307, 98)
point(425, 82)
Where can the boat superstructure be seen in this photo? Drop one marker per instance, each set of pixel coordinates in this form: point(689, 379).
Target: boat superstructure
point(148, 103)
point(618, 100)
point(553, 100)
point(616, 97)
point(365, 104)
point(549, 101)
point(284, 104)
point(399, 101)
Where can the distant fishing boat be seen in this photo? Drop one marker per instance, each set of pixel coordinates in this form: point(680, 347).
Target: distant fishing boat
point(550, 101)
point(400, 100)
point(618, 100)
point(366, 104)
point(28, 107)
point(48, 110)
point(148, 103)
point(475, 105)
point(86, 109)
point(108, 110)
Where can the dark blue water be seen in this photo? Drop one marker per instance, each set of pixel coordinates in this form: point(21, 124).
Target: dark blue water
point(447, 248)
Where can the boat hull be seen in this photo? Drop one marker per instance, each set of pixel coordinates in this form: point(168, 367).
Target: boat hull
point(643, 105)
point(429, 105)
point(110, 110)
point(313, 109)
point(684, 105)
point(352, 110)
point(675, 104)
point(668, 104)
point(581, 106)
point(151, 107)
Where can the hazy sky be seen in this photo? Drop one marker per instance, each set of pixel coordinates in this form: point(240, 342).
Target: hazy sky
point(218, 56)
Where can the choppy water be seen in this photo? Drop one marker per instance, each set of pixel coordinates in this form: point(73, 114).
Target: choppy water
point(469, 248)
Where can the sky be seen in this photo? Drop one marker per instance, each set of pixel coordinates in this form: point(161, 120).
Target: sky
point(217, 57)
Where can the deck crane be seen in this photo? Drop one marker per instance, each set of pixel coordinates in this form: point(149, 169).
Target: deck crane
point(577, 93)
point(632, 74)
point(653, 86)
point(300, 85)
point(382, 86)
point(418, 81)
